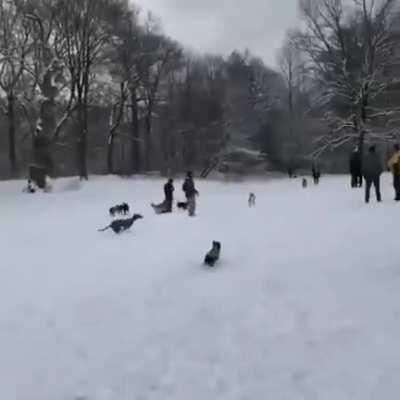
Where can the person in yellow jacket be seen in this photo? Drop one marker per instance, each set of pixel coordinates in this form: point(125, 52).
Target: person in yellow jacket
point(394, 165)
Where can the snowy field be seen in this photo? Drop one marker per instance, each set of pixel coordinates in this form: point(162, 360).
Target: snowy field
point(305, 303)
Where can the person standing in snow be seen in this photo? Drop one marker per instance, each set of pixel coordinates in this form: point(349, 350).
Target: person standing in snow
point(315, 172)
point(190, 193)
point(372, 169)
point(356, 169)
point(169, 195)
point(166, 206)
point(394, 165)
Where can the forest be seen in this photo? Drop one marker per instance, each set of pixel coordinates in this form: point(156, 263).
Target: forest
point(97, 87)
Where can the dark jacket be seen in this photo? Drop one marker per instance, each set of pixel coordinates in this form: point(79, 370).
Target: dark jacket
point(188, 188)
point(355, 163)
point(372, 166)
point(316, 171)
point(169, 191)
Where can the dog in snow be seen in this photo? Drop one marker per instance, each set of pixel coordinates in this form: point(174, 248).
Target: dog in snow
point(121, 225)
point(122, 209)
point(213, 255)
point(182, 205)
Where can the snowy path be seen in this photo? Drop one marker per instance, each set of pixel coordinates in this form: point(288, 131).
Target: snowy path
point(305, 303)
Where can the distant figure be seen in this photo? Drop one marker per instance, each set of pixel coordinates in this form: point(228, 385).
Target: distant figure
point(252, 200)
point(316, 173)
point(169, 194)
point(166, 205)
point(291, 172)
point(190, 193)
point(29, 188)
point(356, 168)
point(394, 165)
point(304, 183)
point(372, 169)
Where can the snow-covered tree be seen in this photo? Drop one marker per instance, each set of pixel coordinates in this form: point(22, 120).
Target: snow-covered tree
point(48, 98)
point(14, 49)
point(349, 46)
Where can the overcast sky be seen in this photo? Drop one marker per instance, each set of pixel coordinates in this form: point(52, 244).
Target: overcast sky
point(223, 25)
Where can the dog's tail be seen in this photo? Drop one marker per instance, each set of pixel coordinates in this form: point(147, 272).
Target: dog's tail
point(104, 229)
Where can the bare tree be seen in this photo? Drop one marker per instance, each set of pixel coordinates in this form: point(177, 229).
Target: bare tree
point(84, 29)
point(349, 49)
point(126, 53)
point(48, 95)
point(116, 116)
point(14, 48)
point(158, 56)
point(295, 76)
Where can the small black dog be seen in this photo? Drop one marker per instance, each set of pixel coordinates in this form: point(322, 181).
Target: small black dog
point(122, 209)
point(304, 183)
point(121, 225)
point(213, 255)
point(183, 205)
point(252, 200)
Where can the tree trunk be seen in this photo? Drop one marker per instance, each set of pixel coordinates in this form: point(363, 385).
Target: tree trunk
point(165, 150)
point(292, 149)
point(110, 154)
point(11, 132)
point(85, 121)
point(364, 107)
point(82, 141)
point(46, 123)
point(135, 133)
point(361, 142)
point(147, 140)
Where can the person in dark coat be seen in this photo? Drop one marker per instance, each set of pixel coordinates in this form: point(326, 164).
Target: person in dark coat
point(394, 166)
point(166, 205)
point(190, 192)
point(356, 168)
point(169, 194)
point(372, 169)
point(316, 173)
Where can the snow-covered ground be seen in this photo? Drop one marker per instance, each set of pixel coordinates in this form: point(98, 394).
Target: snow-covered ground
point(305, 303)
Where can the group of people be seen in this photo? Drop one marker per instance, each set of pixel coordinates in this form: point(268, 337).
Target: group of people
point(189, 190)
point(370, 168)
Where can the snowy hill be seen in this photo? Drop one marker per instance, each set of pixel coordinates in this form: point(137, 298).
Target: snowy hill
point(304, 304)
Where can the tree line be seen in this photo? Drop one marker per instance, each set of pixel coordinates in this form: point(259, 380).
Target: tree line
point(93, 86)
